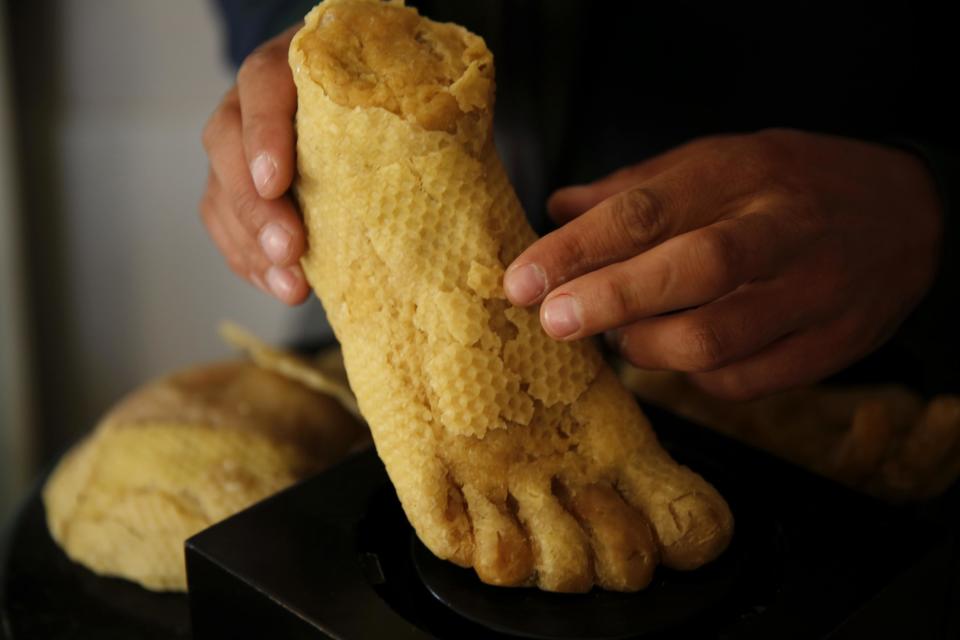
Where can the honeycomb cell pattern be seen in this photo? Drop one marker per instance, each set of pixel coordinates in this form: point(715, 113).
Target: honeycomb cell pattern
point(486, 280)
point(143, 491)
point(475, 411)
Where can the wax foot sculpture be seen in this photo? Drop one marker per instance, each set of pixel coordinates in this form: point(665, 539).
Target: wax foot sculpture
point(187, 451)
point(512, 453)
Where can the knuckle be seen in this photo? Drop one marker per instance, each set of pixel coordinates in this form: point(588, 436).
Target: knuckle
point(702, 348)
point(719, 258)
point(758, 160)
point(769, 153)
point(712, 148)
point(786, 196)
point(619, 303)
point(572, 254)
point(637, 214)
point(246, 207)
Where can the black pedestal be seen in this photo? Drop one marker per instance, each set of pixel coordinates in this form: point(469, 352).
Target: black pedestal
point(334, 557)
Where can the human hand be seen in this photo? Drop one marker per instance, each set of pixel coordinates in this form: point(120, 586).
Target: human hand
point(756, 262)
point(249, 140)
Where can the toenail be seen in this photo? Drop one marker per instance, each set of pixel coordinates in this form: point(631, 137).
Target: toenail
point(561, 316)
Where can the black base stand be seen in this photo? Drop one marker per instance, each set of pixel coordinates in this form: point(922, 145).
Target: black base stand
point(334, 557)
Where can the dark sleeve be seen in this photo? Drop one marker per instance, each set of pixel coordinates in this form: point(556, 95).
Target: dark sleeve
point(249, 23)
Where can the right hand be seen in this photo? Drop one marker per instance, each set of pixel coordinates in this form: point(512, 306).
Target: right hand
point(246, 207)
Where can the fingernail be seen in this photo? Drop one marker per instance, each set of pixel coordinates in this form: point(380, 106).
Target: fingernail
point(525, 284)
point(263, 168)
point(561, 316)
point(281, 282)
point(275, 242)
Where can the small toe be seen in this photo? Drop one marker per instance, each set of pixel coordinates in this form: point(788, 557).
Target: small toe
point(501, 551)
point(561, 551)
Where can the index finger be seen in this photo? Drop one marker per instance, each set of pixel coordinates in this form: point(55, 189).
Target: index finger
point(268, 102)
point(618, 228)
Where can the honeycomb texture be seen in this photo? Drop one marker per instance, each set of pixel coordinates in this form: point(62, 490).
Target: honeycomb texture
point(510, 452)
point(181, 454)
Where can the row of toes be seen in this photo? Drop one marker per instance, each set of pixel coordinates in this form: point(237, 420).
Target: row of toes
point(561, 536)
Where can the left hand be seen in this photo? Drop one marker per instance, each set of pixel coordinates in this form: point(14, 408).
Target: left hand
point(250, 142)
point(756, 262)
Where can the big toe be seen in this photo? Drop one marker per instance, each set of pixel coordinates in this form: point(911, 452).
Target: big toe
point(692, 520)
point(700, 528)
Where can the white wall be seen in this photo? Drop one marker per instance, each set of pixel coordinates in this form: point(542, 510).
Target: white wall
point(146, 286)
